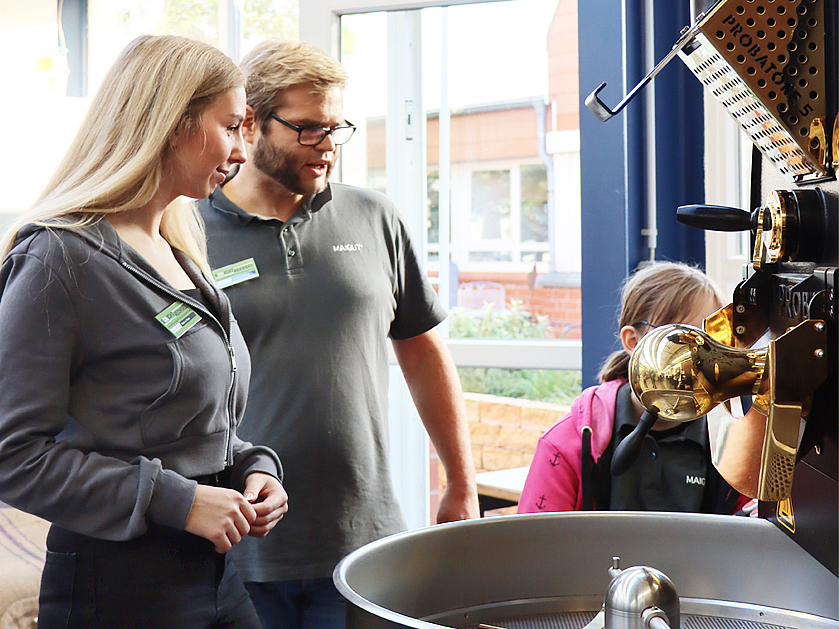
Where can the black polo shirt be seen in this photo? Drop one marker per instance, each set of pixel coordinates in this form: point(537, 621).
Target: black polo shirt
point(673, 472)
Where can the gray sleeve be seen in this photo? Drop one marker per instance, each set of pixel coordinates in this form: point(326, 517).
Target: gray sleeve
point(249, 459)
point(40, 350)
point(417, 307)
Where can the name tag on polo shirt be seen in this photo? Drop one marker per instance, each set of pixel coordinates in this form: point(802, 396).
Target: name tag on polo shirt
point(235, 273)
point(178, 318)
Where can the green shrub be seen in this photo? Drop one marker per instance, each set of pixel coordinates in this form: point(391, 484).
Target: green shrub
point(540, 385)
point(559, 387)
point(510, 323)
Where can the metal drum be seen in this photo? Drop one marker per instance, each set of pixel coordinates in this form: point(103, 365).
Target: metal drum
point(551, 571)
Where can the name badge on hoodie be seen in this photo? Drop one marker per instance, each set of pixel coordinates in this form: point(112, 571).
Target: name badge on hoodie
point(235, 273)
point(178, 318)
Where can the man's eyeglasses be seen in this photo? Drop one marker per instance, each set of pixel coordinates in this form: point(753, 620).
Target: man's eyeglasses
point(312, 136)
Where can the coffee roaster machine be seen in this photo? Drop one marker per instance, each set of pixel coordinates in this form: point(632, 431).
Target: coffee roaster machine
point(773, 65)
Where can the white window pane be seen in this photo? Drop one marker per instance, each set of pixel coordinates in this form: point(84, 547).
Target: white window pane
point(534, 203)
point(491, 204)
point(487, 138)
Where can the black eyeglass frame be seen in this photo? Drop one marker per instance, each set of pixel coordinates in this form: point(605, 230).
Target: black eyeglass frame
point(324, 132)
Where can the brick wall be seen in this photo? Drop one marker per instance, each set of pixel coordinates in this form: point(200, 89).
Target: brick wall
point(503, 432)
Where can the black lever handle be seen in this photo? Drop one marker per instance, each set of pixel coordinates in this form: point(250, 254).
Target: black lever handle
point(628, 450)
point(717, 218)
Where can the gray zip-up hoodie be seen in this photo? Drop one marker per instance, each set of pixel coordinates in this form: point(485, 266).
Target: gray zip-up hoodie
point(108, 406)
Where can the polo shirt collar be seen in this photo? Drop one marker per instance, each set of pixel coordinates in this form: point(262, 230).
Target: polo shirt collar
point(310, 205)
point(624, 423)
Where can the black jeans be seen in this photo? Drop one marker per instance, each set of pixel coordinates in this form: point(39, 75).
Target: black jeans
point(162, 579)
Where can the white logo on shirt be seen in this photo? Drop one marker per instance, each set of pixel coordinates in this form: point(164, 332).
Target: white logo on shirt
point(348, 247)
point(695, 480)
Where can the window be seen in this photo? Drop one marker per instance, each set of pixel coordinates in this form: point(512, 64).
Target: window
point(40, 78)
point(498, 153)
point(508, 218)
point(232, 26)
point(462, 134)
point(490, 195)
point(533, 218)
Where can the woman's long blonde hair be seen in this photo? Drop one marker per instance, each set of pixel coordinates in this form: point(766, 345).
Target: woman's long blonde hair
point(115, 163)
point(658, 293)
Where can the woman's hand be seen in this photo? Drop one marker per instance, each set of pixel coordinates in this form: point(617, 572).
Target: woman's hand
point(220, 515)
point(268, 499)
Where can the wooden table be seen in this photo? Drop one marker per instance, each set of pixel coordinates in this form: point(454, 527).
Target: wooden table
point(500, 488)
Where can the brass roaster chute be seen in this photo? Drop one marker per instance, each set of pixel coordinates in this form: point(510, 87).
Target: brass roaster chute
point(683, 373)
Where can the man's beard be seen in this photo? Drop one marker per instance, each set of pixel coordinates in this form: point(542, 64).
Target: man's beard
point(280, 164)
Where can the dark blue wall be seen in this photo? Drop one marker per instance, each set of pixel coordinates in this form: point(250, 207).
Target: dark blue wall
point(614, 156)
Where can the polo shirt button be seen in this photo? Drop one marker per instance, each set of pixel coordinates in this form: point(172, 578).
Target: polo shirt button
point(291, 253)
point(654, 455)
point(285, 229)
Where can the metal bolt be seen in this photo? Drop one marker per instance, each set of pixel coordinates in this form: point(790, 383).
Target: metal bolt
point(740, 329)
point(819, 354)
point(819, 327)
point(741, 308)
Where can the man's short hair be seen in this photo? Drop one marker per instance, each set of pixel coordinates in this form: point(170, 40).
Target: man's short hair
point(277, 64)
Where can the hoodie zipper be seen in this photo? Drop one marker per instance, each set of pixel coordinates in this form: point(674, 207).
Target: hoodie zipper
point(228, 459)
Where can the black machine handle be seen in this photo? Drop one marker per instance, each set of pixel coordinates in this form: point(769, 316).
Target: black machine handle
point(717, 218)
point(628, 450)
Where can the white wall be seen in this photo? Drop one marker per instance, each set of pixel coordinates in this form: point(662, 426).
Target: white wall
point(725, 175)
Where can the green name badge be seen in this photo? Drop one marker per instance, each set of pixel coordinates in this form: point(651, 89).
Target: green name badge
point(235, 273)
point(178, 318)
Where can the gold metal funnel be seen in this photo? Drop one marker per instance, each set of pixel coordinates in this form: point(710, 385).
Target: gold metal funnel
point(684, 373)
point(681, 371)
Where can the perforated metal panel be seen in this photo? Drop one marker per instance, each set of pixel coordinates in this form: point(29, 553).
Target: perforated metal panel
point(764, 61)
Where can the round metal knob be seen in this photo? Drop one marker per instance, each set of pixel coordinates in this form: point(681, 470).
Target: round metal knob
point(636, 590)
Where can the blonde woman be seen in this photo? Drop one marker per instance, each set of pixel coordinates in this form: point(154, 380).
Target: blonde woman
point(123, 374)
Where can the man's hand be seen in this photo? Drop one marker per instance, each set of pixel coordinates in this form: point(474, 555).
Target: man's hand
point(220, 515)
point(458, 504)
point(435, 388)
point(269, 501)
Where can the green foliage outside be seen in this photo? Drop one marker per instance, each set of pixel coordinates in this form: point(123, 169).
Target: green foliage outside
point(199, 19)
point(510, 323)
point(263, 19)
point(558, 387)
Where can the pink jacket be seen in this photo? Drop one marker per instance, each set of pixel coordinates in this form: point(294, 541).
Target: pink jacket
point(554, 482)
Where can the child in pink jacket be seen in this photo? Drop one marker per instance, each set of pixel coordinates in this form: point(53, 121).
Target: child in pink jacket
point(570, 468)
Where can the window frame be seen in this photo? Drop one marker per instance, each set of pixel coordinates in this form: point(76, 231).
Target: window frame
point(462, 242)
point(320, 24)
